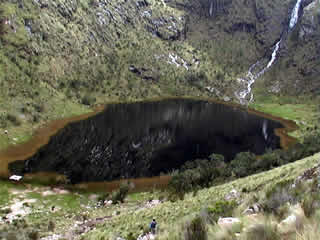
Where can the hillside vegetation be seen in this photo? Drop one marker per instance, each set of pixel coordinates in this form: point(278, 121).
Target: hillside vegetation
point(79, 214)
point(61, 57)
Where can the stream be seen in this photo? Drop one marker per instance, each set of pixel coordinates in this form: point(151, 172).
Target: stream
point(259, 68)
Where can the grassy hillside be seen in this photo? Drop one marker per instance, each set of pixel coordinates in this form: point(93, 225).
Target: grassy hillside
point(59, 58)
point(61, 209)
point(62, 58)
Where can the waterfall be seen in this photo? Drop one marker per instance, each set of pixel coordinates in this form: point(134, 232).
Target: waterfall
point(264, 130)
point(295, 14)
point(211, 9)
point(251, 76)
point(274, 55)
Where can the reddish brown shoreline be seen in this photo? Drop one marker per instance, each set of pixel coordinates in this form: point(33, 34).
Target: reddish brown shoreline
point(42, 137)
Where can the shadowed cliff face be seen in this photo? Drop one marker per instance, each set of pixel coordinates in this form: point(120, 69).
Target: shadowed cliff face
point(250, 29)
point(147, 138)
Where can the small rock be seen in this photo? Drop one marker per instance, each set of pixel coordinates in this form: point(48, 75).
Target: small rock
point(47, 193)
point(255, 208)
point(153, 203)
point(148, 236)
point(248, 211)
point(226, 99)
point(120, 238)
point(228, 222)
point(61, 191)
point(233, 195)
point(52, 237)
point(15, 178)
point(108, 202)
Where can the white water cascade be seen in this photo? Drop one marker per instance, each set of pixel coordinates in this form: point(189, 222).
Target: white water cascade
point(295, 14)
point(251, 76)
point(211, 9)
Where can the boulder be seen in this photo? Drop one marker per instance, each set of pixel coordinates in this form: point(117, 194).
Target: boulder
point(148, 236)
point(153, 203)
point(254, 209)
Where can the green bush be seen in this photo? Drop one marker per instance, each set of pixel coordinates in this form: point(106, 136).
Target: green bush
point(88, 100)
point(243, 164)
point(194, 175)
point(180, 184)
point(195, 229)
point(221, 209)
point(103, 197)
point(310, 204)
point(13, 119)
point(281, 194)
point(218, 158)
point(268, 161)
point(120, 194)
point(311, 143)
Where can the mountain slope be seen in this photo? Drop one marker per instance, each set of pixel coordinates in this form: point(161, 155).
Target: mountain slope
point(61, 57)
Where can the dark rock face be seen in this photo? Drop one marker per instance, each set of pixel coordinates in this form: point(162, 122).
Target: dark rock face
point(209, 8)
point(243, 27)
point(147, 138)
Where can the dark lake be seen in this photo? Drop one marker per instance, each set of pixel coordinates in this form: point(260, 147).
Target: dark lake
point(145, 139)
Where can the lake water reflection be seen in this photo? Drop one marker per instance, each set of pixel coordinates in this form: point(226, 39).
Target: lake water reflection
point(144, 139)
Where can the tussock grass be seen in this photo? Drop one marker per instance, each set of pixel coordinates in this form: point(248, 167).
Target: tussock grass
point(169, 214)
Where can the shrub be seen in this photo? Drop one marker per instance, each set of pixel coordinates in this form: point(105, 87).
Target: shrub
point(33, 235)
point(196, 174)
point(279, 195)
point(120, 194)
point(88, 100)
point(262, 231)
point(311, 143)
point(218, 158)
point(13, 119)
point(180, 184)
point(221, 209)
point(267, 161)
point(224, 234)
point(36, 118)
point(310, 204)
point(3, 121)
point(39, 108)
point(195, 229)
point(243, 164)
point(196, 78)
point(103, 197)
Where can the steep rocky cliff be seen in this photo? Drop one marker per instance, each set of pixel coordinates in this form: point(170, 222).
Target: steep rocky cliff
point(297, 71)
point(237, 34)
point(59, 57)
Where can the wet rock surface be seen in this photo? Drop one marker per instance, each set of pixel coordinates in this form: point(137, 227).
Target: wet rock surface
point(147, 138)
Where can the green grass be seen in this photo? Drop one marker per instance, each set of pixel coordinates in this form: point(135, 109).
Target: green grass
point(4, 193)
point(170, 214)
point(133, 214)
point(302, 110)
point(69, 58)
